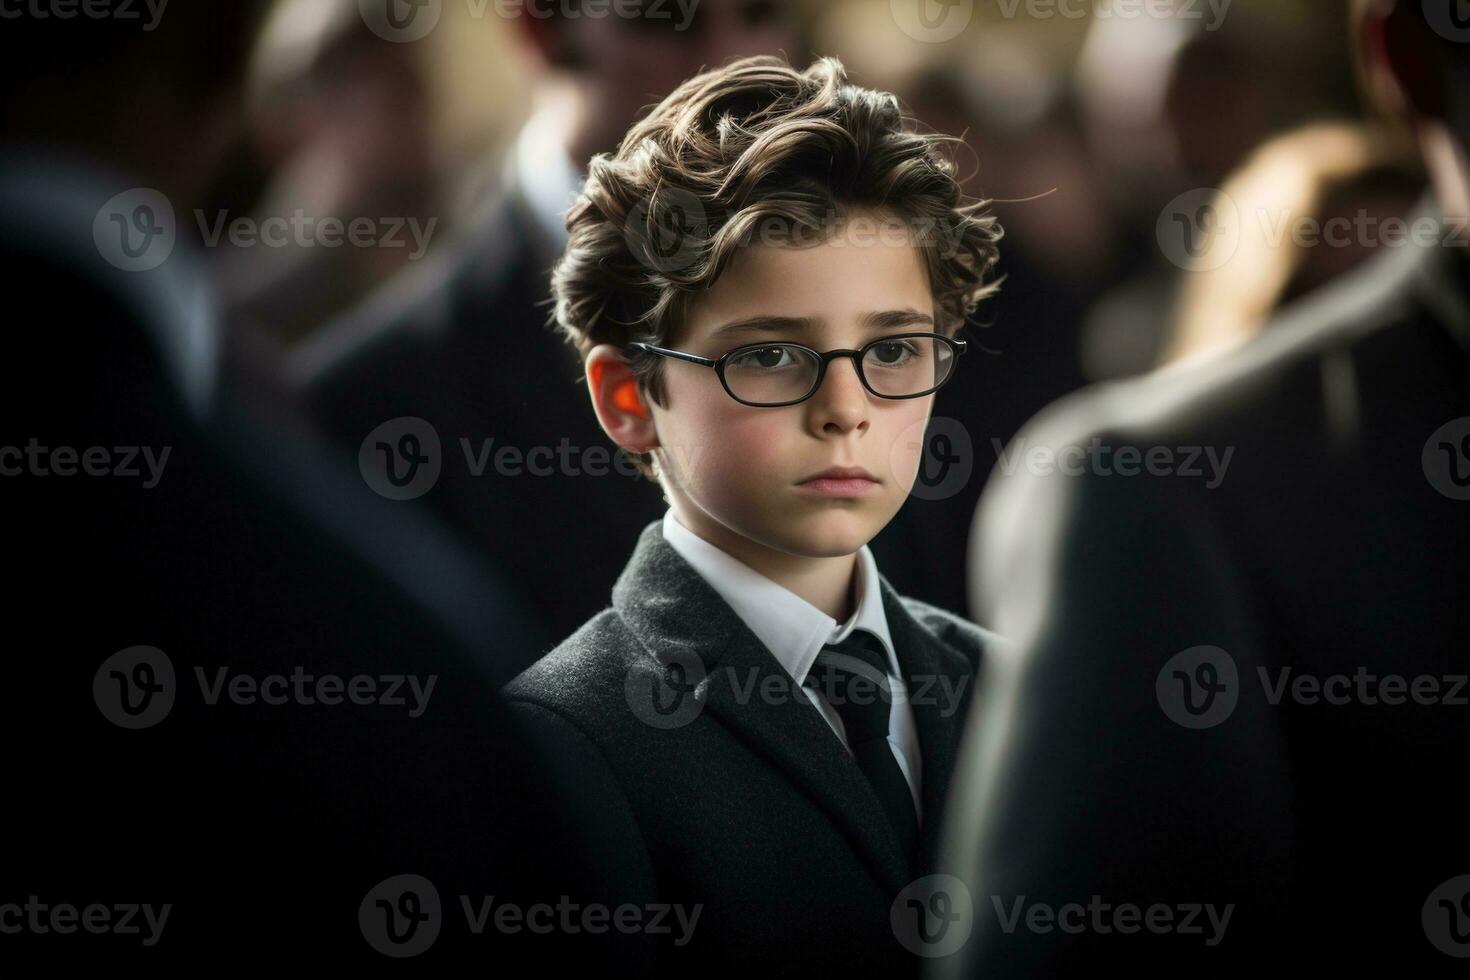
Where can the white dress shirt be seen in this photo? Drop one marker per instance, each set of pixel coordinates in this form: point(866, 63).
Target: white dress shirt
point(795, 631)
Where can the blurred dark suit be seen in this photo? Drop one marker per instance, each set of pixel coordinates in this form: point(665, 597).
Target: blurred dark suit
point(1327, 549)
point(463, 343)
point(263, 825)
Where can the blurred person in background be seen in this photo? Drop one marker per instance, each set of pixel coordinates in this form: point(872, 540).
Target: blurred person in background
point(1238, 607)
point(1023, 153)
point(462, 341)
point(179, 561)
point(1170, 106)
point(340, 118)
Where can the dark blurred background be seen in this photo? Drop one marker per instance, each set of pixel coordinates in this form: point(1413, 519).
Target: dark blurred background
point(1093, 130)
point(306, 245)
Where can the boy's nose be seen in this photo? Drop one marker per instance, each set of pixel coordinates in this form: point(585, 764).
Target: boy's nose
point(842, 397)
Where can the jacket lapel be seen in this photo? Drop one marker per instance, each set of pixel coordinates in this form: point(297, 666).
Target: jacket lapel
point(679, 617)
point(940, 683)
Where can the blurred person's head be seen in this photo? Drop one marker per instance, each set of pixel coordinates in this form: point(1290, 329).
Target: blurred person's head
point(324, 86)
point(808, 210)
point(623, 64)
point(1414, 60)
point(1174, 103)
point(157, 93)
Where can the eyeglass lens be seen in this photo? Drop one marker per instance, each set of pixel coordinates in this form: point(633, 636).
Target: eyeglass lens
point(904, 366)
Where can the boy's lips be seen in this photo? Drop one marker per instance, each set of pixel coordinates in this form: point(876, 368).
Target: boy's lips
point(841, 481)
point(841, 473)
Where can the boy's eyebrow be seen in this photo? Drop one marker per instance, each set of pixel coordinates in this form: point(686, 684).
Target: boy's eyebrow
point(765, 323)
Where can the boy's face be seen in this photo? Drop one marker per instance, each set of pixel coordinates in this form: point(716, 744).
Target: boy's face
point(733, 472)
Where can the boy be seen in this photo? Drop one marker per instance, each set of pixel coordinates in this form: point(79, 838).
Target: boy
point(765, 283)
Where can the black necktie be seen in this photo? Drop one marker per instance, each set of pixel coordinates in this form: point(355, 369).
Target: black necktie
point(853, 677)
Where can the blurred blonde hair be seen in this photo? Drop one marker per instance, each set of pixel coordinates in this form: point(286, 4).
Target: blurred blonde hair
point(1286, 181)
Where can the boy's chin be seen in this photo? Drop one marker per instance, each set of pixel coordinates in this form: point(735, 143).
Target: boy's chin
point(834, 533)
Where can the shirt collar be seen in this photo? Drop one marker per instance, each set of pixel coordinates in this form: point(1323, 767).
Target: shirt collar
point(793, 629)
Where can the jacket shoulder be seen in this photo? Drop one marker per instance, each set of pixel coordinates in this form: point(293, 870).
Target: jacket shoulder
point(583, 676)
point(969, 639)
point(1276, 376)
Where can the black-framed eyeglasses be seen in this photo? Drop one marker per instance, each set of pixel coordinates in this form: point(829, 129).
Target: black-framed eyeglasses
point(770, 375)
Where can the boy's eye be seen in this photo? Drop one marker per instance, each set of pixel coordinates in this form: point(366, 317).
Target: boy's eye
point(766, 357)
point(891, 354)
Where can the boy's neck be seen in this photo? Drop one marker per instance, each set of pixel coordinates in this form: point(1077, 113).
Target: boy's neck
point(830, 584)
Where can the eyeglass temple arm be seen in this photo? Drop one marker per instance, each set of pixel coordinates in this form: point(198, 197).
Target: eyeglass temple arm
point(694, 358)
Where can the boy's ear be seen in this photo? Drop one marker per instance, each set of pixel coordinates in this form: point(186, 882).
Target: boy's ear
point(619, 405)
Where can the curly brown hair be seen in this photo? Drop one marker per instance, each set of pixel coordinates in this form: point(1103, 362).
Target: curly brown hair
point(754, 147)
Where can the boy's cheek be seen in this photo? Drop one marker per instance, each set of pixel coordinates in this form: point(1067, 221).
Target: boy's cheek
point(900, 433)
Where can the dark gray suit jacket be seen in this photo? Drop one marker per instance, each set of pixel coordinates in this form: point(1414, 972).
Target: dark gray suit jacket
point(1336, 541)
point(745, 804)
